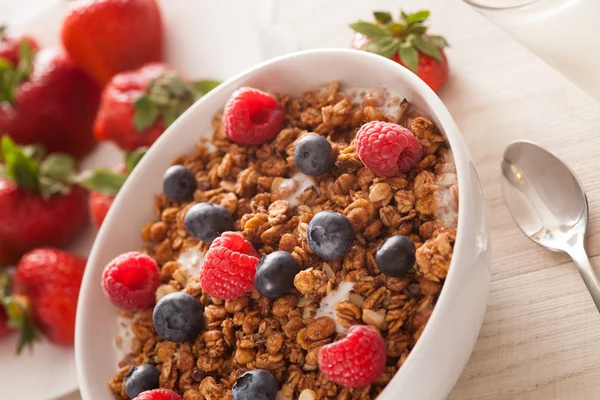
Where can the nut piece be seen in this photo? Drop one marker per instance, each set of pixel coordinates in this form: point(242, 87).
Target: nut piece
point(375, 318)
point(320, 328)
point(307, 394)
point(164, 290)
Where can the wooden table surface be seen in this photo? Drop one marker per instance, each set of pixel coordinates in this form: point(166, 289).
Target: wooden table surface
point(541, 334)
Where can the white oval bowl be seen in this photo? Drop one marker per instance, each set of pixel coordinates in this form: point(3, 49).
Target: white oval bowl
point(435, 363)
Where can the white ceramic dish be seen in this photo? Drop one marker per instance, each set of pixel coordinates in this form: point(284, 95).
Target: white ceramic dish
point(435, 363)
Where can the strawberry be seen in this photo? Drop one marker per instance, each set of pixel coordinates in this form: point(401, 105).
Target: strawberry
point(405, 41)
point(45, 291)
point(45, 98)
point(104, 184)
point(106, 37)
point(137, 106)
point(38, 204)
point(10, 45)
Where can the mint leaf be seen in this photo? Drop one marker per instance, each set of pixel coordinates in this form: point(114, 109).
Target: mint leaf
point(133, 158)
point(146, 113)
point(419, 16)
point(427, 48)
point(367, 29)
point(19, 168)
point(101, 180)
point(409, 57)
point(438, 41)
point(382, 17)
point(204, 86)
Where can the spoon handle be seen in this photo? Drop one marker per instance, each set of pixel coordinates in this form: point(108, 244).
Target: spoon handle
point(582, 262)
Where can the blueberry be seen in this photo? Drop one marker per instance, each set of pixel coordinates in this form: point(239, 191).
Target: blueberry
point(179, 183)
point(206, 221)
point(275, 274)
point(178, 317)
point(141, 378)
point(396, 256)
point(330, 235)
point(257, 384)
point(313, 155)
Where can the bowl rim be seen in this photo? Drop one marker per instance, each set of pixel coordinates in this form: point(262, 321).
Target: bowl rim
point(439, 112)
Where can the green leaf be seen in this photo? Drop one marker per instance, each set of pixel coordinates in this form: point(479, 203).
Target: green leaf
point(146, 113)
point(20, 169)
point(409, 57)
point(438, 41)
point(170, 115)
point(384, 46)
point(101, 180)
point(133, 158)
point(58, 167)
point(417, 29)
point(419, 16)
point(25, 64)
point(18, 309)
point(427, 48)
point(403, 15)
point(396, 28)
point(204, 86)
point(368, 29)
point(6, 65)
point(382, 17)
point(37, 152)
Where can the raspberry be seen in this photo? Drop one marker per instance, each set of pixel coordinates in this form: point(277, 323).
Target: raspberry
point(158, 394)
point(252, 117)
point(229, 267)
point(356, 360)
point(130, 281)
point(386, 148)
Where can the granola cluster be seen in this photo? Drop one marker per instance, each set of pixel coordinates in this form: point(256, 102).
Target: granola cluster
point(258, 186)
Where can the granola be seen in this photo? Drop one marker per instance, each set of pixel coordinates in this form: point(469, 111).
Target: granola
point(272, 204)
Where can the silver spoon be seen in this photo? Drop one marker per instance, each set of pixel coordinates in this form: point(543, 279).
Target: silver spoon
point(548, 203)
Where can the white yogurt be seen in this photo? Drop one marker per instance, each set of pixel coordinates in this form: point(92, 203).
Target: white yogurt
point(447, 202)
point(125, 334)
point(191, 259)
point(328, 303)
point(295, 186)
point(388, 104)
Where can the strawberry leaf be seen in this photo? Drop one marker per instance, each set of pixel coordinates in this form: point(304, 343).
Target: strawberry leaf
point(417, 29)
point(204, 86)
point(427, 48)
point(368, 29)
point(101, 180)
point(396, 28)
point(57, 172)
point(419, 16)
point(384, 46)
point(438, 41)
point(133, 158)
point(18, 167)
point(18, 309)
point(382, 17)
point(146, 113)
point(409, 57)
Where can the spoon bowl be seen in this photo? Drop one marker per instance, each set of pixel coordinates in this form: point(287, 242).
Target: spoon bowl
point(548, 203)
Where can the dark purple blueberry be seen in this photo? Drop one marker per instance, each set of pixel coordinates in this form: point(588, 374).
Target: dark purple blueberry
point(313, 155)
point(330, 235)
point(179, 183)
point(257, 384)
point(206, 221)
point(141, 378)
point(275, 274)
point(178, 317)
point(396, 256)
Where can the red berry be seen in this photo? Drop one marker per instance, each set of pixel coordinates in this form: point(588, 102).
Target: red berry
point(99, 205)
point(229, 267)
point(158, 394)
point(51, 279)
point(130, 281)
point(252, 117)
point(356, 360)
point(386, 148)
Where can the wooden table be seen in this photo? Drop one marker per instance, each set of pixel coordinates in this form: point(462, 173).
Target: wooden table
point(541, 332)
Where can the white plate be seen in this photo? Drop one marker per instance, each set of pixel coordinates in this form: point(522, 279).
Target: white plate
point(204, 40)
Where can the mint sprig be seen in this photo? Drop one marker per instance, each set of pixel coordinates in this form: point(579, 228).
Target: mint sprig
point(406, 37)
